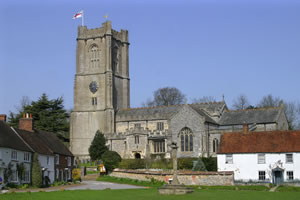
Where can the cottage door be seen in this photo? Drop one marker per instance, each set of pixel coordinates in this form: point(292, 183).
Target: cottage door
point(278, 177)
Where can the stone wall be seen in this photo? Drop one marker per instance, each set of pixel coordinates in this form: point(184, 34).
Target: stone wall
point(184, 177)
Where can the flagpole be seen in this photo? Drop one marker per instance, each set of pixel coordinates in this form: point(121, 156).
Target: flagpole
point(82, 19)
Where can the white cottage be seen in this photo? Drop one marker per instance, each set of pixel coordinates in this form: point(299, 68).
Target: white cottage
point(271, 157)
point(13, 152)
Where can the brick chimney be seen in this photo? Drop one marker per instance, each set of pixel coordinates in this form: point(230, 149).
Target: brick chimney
point(245, 128)
point(26, 123)
point(3, 117)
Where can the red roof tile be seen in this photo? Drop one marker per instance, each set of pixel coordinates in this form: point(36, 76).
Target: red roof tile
point(260, 142)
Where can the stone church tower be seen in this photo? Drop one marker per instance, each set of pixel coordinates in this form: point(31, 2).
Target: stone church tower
point(101, 84)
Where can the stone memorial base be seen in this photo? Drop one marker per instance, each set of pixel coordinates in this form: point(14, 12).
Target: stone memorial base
point(175, 189)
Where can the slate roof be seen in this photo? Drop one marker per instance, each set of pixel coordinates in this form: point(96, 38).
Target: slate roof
point(44, 142)
point(9, 139)
point(147, 113)
point(260, 142)
point(54, 143)
point(250, 116)
point(33, 139)
point(165, 112)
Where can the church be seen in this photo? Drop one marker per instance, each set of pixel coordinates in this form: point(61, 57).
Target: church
point(102, 102)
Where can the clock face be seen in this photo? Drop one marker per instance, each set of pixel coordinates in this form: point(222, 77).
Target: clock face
point(93, 87)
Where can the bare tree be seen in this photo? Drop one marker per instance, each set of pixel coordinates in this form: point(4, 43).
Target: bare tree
point(204, 99)
point(25, 101)
point(166, 96)
point(241, 102)
point(270, 101)
point(291, 109)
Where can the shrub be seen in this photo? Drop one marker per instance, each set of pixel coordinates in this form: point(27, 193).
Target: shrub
point(185, 163)
point(132, 164)
point(76, 174)
point(111, 160)
point(36, 171)
point(210, 163)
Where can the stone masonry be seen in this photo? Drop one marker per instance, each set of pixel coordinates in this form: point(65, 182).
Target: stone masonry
point(102, 102)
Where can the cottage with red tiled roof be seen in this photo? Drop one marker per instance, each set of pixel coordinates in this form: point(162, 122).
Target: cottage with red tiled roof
point(271, 156)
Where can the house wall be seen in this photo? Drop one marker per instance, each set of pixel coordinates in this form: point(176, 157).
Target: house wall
point(246, 167)
point(49, 167)
point(6, 158)
point(63, 171)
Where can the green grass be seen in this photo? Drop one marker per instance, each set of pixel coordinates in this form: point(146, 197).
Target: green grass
point(151, 194)
point(237, 187)
point(150, 183)
point(288, 189)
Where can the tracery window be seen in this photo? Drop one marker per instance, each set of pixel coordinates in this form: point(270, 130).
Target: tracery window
point(186, 139)
point(94, 56)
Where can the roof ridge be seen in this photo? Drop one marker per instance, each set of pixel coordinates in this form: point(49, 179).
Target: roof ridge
point(263, 132)
point(206, 103)
point(150, 107)
point(249, 109)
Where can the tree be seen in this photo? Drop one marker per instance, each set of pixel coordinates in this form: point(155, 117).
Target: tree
point(241, 102)
point(291, 109)
point(111, 160)
point(204, 99)
point(270, 101)
point(36, 171)
point(97, 147)
point(166, 96)
point(48, 115)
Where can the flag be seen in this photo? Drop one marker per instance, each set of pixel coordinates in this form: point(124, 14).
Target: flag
point(78, 14)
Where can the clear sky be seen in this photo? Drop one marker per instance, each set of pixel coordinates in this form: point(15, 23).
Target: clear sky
point(204, 48)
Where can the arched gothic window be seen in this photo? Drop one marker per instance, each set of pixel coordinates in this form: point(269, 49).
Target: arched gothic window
point(215, 145)
point(94, 56)
point(186, 139)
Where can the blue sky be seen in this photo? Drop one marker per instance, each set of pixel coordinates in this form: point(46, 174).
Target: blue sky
point(204, 48)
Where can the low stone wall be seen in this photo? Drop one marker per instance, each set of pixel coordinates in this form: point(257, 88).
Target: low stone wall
point(184, 177)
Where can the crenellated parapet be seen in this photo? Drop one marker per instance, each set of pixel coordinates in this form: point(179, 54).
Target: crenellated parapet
point(105, 30)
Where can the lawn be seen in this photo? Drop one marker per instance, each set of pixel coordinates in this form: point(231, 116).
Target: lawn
point(150, 194)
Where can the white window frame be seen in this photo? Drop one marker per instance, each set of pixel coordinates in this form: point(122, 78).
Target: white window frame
point(289, 175)
point(14, 155)
point(229, 158)
point(261, 158)
point(26, 177)
point(27, 157)
point(14, 176)
point(0, 155)
point(69, 161)
point(261, 175)
point(289, 158)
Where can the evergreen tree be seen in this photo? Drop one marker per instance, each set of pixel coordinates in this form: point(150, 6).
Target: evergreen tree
point(97, 147)
point(36, 171)
point(48, 115)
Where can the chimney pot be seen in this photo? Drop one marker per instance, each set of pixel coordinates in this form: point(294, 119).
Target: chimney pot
point(26, 123)
point(3, 117)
